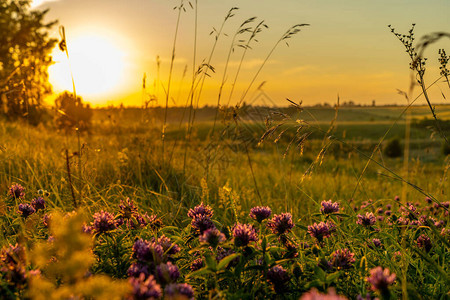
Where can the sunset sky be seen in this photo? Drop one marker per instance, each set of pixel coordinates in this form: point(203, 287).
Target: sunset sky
point(347, 50)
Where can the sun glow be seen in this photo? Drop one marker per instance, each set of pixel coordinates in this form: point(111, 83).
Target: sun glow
point(97, 65)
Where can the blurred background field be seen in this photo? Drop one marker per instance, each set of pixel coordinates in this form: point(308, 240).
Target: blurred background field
point(121, 156)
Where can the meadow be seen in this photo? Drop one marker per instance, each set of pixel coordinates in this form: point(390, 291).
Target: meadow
point(129, 196)
point(224, 201)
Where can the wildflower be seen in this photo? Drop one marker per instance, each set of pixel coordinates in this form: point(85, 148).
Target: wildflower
point(12, 254)
point(204, 210)
point(136, 269)
point(167, 245)
point(387, 212)
point(26, 210)
point(38, 203)
point(46, 219)
point(12, 267)
point(375, 242)
point(87, 229)
point(154, 222)
point(145, 288)
point(424, 242)
point(314, 294)
point(321, 230)
point(213, 237)
point(388, 206)
point(329, 207)
point(127, 208)
point(244, 234)
point(103, 222)
point(342, 259)
point(260, 213)
point(397, 198)
point(281, 224)
point(16, 191)
point(178, 291)
point(200, 223)
point(381, 279)
point(146, 251)
point(410, 212)
point(197, 264)
point(366, 220)
point(380, 211)
point(167, 273)
point(402, 221)
point(279, 277)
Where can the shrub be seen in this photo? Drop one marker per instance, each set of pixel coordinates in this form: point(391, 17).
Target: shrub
point(393, 148)
point(72, 113)
point(445, 148)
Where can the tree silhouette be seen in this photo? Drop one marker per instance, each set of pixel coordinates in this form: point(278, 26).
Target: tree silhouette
point(25, 48)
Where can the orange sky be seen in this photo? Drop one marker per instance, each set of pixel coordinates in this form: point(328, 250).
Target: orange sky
point(347, 50)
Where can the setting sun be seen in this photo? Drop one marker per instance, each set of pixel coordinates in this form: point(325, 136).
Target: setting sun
point(97, 65)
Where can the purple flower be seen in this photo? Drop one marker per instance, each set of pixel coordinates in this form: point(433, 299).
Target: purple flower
point(154, 222)
point(12, 255)
point(38, 203)
point(387, 212)
point(281, 224)
point(329, 207)
point(321, 230)
point(127, 208)
point(314, 294)
point(178, 291)
point(375, 242)
point(26, 210)
point(279, 277)
point(213, 237)
point(16, 191)
point(200, 223)
point(397, 198)
point(167, 273)
point(260, 213)
point(46, 219)
point(381, 279)
point(244, 234)
point(167, 245)
point(197, 264)
point(204, 210)
point(410, 212)
point(136, 269)
point(424, 242)
point(87, 229)
point(342, 259)
point(366, 220)
point(145, 288)
point(146, 251)
point(103, 222)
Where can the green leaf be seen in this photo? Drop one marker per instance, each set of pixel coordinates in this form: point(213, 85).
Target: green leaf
point(201, 271)
point(226, 260)
point(333, 276)
point(320, 274)
point(211, 263)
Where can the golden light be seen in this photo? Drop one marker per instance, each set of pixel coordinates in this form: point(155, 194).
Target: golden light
point(97, 65)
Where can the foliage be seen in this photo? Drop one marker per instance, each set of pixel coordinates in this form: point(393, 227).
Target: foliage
point(393, 148)
point(72, 113)
point(25, 46)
